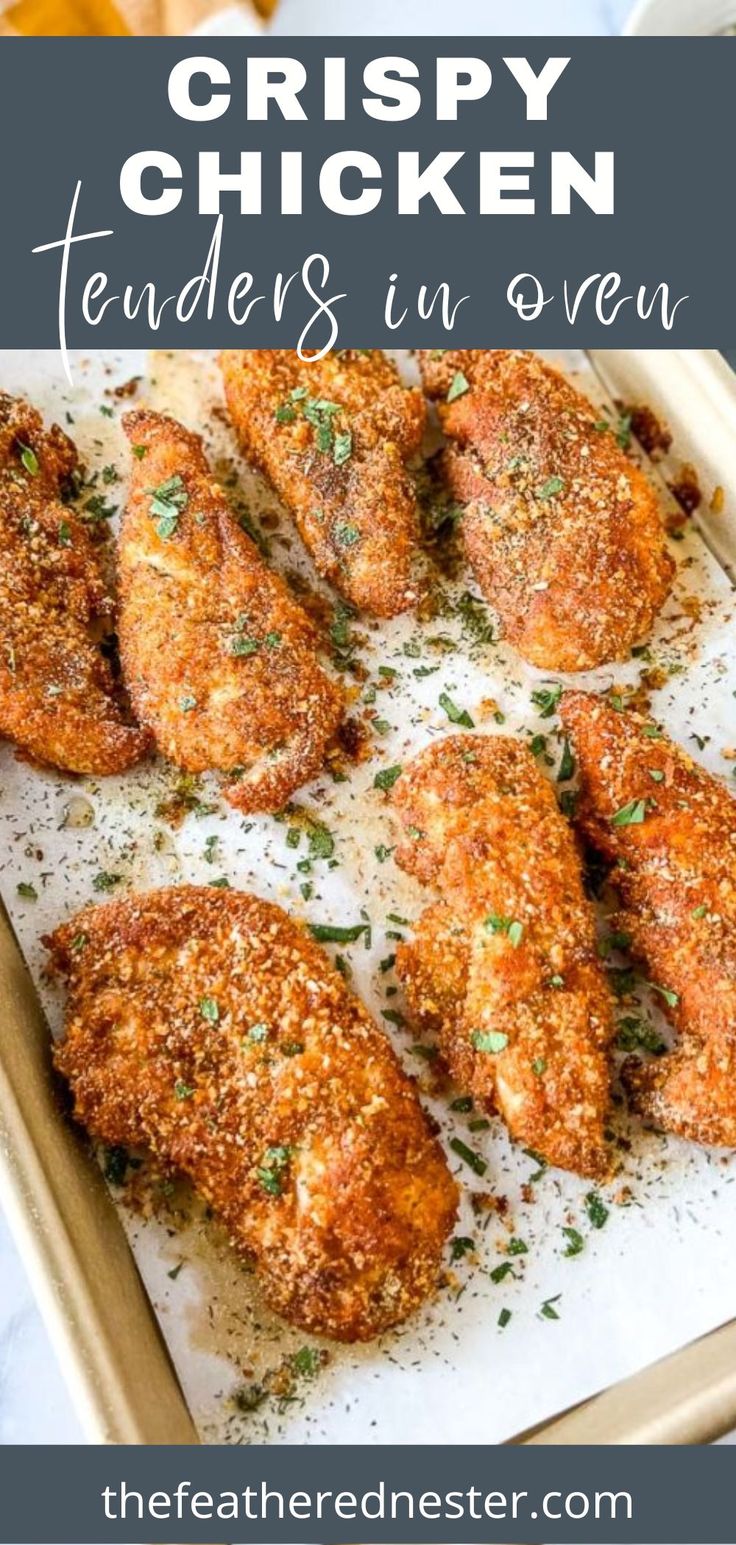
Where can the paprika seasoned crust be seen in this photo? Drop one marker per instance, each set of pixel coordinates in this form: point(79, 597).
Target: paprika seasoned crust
point(562, 530)
point(221, 661)
point(333, 437)
point(58, 698)
point(504, 967)
point(208, 1027)
point(668, 827)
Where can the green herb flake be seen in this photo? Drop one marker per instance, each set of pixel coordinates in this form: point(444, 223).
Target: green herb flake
point(27, 891)
point(575, 1242)
point(458, 386)
point(455, 715)
point(183, 1091)
point(632, 814)
point(566, 768)
point(545, 699)
point(550, 489)
point(167, 503)
point(329, 933)
point(29, 459)
point(518, 1247)
point(386, 778)
point(461, 1246)
point(347, 534)
point(596, 1209)
point(105, 881)
point(343, 448)
point(474, 1160)
point(503, 1318)
point(548, 1311)
point(210, 1010)
point(489, 1040)
point(500, 1272)
point(115, 1166)
point(258, 1033)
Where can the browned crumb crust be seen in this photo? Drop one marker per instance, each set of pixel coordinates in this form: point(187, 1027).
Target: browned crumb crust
point(562, 530)
point(207, 1026)
point(58, 697)
point(504, 968)
point(220, 660)
point(675, 869)
point(333, 436)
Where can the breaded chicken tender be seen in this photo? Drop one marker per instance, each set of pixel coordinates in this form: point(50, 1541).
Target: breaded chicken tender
point(220, 660)
point(58, 698)
point(209, 1028)
point(504, 967)
point(333, 437)
point(669, 828)
point(562, 530)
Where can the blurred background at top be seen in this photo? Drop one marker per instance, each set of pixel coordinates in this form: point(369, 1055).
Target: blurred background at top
point(371, 18)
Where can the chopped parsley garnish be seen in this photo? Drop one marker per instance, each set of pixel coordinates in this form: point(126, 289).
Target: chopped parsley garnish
point(547, 698)
point(343, 448)
point(116, 1165)
point(455, 715)
point(596, 1209)
point(29, 459)
point(386, 778)
point(539, 1067)
point(183, 1091)
point(671, 998)
point(139, 451)
point(330, 933)
point(635, 1033)
point(567, 763)
point(27, 891)
point(104, 881)
point(65, 534)
point(699, 912)
point(167, 503)
point(503, 1318)
point(548, 1311)
point(632, 814)
point(458, 386)
point(499, 1272)
point(461, 1246)
point(292, 1048)
point(347, 534)
point(187, 703)
point(475, 1160)
point(518, 1247)
point(258, 1033)
point(307, 1362)
point(514, 930)
point(550, 489)
point(489, 1040)
point(321, 841)
point(270, 1172)
point(210, 1010)
point(464, 1103)
point(575, 1242)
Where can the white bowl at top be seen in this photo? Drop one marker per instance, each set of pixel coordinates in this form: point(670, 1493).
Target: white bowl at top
point(681, 18)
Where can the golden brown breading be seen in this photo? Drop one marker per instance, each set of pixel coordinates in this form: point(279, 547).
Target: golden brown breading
point(505, 968)
point(220, 659)
point(669, 827)
point(562, 530)
point(58, 697)
point(207, 1026)
point(333, 437)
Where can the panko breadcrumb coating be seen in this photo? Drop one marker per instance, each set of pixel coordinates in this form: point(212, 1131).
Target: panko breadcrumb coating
point(562, 530)
point(333, 437)
point(504, 968)
point(58, 698)
point(208, 1027)
point(669, 829)
point(220, 659)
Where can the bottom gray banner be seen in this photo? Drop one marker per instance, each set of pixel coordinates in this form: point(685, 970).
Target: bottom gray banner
point(86, 1496)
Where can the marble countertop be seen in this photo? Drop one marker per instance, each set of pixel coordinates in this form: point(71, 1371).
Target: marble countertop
point(34, 1404)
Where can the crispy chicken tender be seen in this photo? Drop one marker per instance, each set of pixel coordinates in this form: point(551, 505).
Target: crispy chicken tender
point(333, 437)
point(220, 659)
point(561, 529)
point(58, 697)
point(669, 828)
point(504, 967)
point(208, 1027)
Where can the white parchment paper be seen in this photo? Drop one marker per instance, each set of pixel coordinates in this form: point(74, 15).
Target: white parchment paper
point(511, 1337)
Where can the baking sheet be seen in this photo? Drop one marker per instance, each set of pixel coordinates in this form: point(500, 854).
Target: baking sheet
point(656, 1275)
